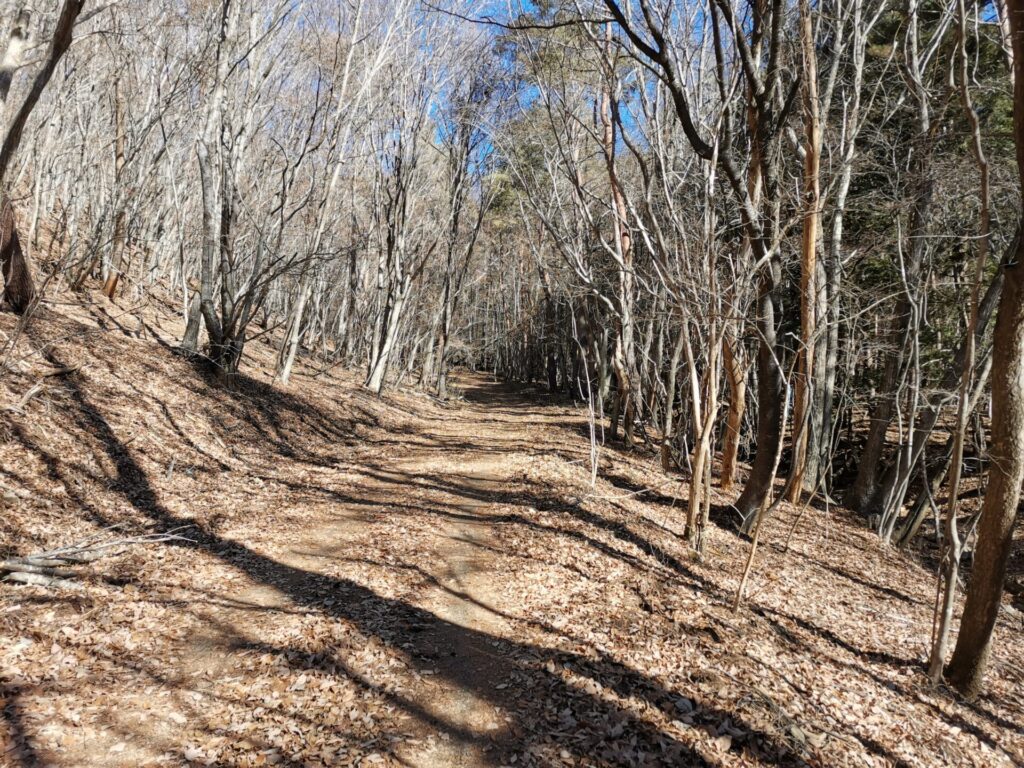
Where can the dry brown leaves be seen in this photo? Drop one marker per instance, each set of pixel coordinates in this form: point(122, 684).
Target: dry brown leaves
point(379, 582)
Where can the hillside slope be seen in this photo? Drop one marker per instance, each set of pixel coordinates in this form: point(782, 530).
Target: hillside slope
point(364, 581)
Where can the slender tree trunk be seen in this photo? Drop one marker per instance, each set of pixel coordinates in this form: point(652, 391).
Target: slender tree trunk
point(954, 546)
point(736, 377)
point(118, 243)
point(803, 397)
point(291, 345)
point(623, 357)
point(670, 397)
point(442, 360)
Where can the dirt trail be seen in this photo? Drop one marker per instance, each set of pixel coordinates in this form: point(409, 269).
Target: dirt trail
point(464, 571)
point(397, 582)
point(455, 727)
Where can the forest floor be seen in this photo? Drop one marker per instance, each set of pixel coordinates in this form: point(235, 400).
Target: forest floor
point(399, 581)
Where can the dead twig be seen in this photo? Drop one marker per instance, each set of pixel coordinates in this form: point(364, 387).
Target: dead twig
point(36, 388)
point(19, 406)
point(56, 567)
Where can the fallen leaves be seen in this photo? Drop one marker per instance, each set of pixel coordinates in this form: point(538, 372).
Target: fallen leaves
point(309, 625)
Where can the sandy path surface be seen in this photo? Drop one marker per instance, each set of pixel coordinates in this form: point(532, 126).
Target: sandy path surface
point(457, 652)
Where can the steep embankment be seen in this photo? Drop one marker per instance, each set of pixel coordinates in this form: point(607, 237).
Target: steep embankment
point(367, 581)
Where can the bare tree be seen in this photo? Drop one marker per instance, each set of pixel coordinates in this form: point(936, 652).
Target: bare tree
point(1000, 510)
point(19, 288)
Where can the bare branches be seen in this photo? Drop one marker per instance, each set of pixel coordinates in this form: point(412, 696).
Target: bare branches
point(59, 44)
point(516, 26)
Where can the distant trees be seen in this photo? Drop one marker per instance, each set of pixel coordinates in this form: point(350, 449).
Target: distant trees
point(853, 313)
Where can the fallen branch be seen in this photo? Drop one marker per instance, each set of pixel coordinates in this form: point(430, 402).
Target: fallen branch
point(40, 580)
point(61, 371)
point(36, 388)
point(30, 566)
point(57, 567)
point(19, 406)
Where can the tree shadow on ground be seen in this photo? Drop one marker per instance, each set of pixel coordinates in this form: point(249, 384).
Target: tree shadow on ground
point(553, 711)
point(776, 619)
point(666, 564)
point(548, 675)
point(20, 748)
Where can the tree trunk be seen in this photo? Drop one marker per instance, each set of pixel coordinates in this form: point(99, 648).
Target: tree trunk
point(290, 349)
point(736, 376)
point(379, 368)
point(623, 358)
point(864, 495)
point(670, 397)
point(803, 397)
point(59, 43)
point(769, 399)
point(190, 341)
point(19, 290)
point(118, 243)
point(999, 511)
point(953, 543)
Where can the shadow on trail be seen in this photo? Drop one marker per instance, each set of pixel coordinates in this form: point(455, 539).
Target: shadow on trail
point(19, 747)
point(550, 708)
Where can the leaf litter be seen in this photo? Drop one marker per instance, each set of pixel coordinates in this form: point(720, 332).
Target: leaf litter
point(399, 581)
